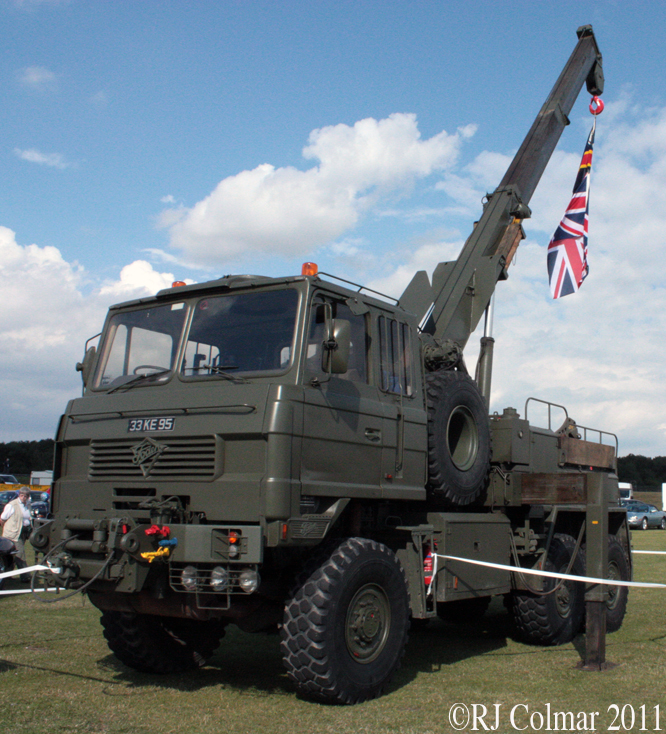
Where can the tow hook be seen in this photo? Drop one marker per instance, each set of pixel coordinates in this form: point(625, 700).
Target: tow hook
point(69, 568)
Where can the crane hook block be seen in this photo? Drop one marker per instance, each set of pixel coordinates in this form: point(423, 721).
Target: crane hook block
point(596, 105)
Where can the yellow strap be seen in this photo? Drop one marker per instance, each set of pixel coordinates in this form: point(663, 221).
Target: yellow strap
point(150, 556)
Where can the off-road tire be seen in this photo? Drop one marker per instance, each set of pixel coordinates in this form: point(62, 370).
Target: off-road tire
point(618, 568)
point(555, 618)
point(458, 440)
point(346, 623)
point(463, 611)
point(153, 644)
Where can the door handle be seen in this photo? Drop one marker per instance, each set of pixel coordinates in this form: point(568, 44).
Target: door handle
point(373, 434)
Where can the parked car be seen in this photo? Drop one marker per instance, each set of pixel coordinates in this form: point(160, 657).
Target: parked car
point(643, 516)
point(8, 479)
point(39, 504)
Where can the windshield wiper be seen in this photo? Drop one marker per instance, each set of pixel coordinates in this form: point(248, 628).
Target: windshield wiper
point(222, 371)
point(134, 380)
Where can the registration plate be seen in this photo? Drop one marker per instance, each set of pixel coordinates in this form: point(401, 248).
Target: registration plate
point(150, 424)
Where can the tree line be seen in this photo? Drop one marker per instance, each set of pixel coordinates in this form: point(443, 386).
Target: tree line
point(642, 471)
point(23, 457)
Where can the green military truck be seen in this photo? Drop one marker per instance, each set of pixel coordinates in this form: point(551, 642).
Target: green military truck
point(303, 452)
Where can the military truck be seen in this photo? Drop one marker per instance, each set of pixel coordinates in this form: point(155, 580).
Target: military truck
point(306, 453)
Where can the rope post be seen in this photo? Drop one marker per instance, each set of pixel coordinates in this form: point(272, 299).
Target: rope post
point(596, 526)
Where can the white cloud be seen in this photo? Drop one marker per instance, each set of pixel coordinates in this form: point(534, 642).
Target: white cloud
point(425, 257)
point(285, 210)
point(54, 160)
point(38, 78)
point(170, 217)
point(468, 187)
point(138, 278)
point(348, 247)
point(48, 313)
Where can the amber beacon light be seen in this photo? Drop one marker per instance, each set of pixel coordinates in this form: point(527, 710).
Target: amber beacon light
point(309, 269)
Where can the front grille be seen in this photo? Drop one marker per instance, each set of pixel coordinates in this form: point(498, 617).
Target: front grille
point(192, 458)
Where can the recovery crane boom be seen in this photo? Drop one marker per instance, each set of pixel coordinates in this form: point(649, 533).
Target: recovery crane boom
point(461, 290)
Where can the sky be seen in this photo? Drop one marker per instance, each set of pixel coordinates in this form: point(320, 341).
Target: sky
point(144, 142)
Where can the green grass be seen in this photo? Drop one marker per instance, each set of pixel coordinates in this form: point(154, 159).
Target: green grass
point(57, 675)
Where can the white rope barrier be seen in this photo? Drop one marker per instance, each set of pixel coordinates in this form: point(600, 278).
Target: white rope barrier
point(28, 569)
point(554, 575)
point(31, 591)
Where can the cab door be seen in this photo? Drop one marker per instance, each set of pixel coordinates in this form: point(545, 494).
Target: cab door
point(405, 435)
point(343, 416)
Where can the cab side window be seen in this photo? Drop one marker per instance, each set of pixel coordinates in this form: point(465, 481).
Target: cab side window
point(358, 352)
point(395, 348)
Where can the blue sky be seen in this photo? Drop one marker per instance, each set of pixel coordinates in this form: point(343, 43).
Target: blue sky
point(143, 141)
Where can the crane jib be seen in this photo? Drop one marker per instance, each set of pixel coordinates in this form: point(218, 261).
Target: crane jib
point(461, 290)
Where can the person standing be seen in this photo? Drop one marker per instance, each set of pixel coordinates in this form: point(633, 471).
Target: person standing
point(16, 523)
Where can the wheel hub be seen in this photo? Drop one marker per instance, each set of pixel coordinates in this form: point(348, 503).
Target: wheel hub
point(368, 623)
point(462, 438)
point(613, 591)
point(563, 600)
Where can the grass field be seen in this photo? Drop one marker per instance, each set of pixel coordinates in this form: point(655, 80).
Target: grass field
point(57, 676)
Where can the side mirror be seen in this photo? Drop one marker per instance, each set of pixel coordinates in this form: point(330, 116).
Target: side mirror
point(335, 357)
point(85, 367)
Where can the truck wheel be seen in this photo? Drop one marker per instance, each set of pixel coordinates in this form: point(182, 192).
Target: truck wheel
point(463, 611)
point(553, 618)
point(152, 644)
point(346, 624)
point(618, 569)
point(458, 439)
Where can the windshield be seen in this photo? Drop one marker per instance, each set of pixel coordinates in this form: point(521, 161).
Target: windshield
point(229, 335)
point(141, 344)
point(246, 332)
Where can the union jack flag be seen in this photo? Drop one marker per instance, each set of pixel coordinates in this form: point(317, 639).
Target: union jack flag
point(567, 251)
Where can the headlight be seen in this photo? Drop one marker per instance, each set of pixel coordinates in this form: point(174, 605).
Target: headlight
point(249, 580)
point(188, 578)
point(219, 578)
point(632, 518)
